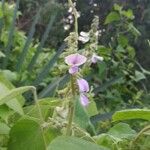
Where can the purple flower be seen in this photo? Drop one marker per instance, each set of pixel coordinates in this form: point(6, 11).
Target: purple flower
point(84, 100)
point(73, 69)
point(83, 85)
point(83, 89)
point(95, 58)
point(75, 60)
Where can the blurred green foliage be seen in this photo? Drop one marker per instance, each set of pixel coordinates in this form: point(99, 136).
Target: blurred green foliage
point(119, 82)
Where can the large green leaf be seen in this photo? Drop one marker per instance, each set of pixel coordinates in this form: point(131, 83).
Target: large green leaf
point(8, 98)
point(26, 134)
point(16, 102)
point(132, 114)
point(82, 118)
point(73, 143)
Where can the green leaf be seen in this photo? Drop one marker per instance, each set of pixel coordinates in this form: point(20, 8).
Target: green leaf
point(122, 130)
point(73, 143)
point(113, 16)
point(11, 33)
point(44, 38)
point(92, 109)
point(9, 97)
point(128, 14)
point(47, 106)
point(115, 135)
point(117, 7)
point(14, 93)
point(11, 76)
point(120, 49)
point(26, 134)
point(4, 129)
point(82, 119)
point(6, 86)
point(102, 70)
point(131, 114)
point(25, 49)
point(134, 30)
point(16, 102)
point(51, 88)
point(106, 140)
point(109, 83)
point(5, 112)
point(45, 70)
point(122, 40)
point(139, 76)
point(2, 54)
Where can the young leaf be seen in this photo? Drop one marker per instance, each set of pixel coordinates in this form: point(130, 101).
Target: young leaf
point(113, 16)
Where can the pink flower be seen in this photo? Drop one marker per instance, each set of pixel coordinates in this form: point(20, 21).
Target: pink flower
point(83, 85)
point(95, 58)
point(84, 100)
point(83, 89)
point(74, 61)
point(73, 69)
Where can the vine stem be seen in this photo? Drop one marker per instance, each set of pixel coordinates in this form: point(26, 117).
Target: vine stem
point(71, 108)
point(40, 113)
point(138, 135)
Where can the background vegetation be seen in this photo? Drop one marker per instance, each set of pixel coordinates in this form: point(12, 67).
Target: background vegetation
point(32, 50)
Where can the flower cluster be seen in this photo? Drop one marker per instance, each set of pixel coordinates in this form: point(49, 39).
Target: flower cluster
point(74, 61)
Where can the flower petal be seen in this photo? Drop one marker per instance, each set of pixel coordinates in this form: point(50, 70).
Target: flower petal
point(75, 59)
point(95, 58)
point(83, 85)
point(73, 69)
point(84, 100)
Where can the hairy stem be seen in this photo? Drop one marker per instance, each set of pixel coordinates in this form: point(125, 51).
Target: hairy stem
point(71, 108)
point(75, 13)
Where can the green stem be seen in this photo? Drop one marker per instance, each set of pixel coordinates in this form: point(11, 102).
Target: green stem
point(37, 104)
point(40, 113)
point(71, 108)
point(139, 135)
